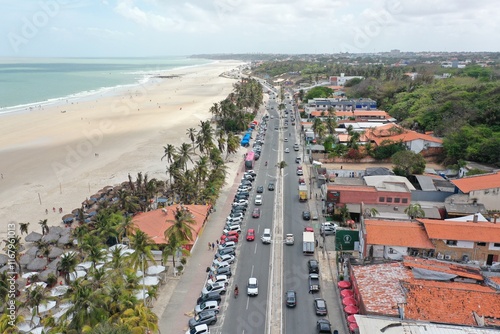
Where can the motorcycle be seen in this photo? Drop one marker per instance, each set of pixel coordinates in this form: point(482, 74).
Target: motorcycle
point(236, 293)
point(266, 163)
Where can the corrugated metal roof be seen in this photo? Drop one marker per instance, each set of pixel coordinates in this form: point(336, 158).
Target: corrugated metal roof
point(426, 183)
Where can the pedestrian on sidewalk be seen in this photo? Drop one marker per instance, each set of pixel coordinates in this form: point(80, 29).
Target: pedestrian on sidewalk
point(213, 246)
point(209, 246)
point(217, 241)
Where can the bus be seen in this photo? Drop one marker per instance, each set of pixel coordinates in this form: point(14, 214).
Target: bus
point(249, 160)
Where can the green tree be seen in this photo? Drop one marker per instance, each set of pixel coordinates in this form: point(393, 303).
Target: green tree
point(318, 92)
point(415, 211)
point(23, 228)
point(407, 163)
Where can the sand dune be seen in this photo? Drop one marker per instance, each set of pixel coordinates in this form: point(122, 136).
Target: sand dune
point(62, 154)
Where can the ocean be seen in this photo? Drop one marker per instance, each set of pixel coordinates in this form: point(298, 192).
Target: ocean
point(30, 82)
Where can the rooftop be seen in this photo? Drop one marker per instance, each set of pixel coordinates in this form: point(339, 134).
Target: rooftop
point(397, 233)
point(444, 267)
point(478, 182)
point(464, 231)
point(389, 183)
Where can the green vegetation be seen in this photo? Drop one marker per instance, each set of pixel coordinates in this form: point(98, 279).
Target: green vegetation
point(407, 163)
point(318, 92)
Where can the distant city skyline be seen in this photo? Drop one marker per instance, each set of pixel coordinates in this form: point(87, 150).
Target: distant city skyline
point(144, 28)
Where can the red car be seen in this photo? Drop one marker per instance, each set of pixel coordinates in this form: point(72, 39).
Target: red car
point(250, 234)
point(226, 238)
point(256, 213)
point(308, 229)
point(302, 181)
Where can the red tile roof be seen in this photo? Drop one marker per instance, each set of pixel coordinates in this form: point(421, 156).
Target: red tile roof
point(385, 132)
point(397, 233)
point(478, 182)
point(339, 187)
point(154, 223)
point(465, 231)
point(450, 302)
point(444, 267)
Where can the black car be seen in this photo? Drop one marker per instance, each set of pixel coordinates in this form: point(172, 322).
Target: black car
point(320, 306)
point(291, 298)
point(260, 189)
point(313, 267)
point(323, 326)
point(207, 317)
point(306, 215)
point(212, 295)
point(243, 193)
point(270, 186)
point(239, 208)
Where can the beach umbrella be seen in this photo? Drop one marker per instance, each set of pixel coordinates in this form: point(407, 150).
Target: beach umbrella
point(351, 318)
point(44, 275)
point(55, 252)
point(64, 240)
point(344, 284)
point(33, 285)
point(3, 259)
point(68, 218)
point(51, 237)
point(29, 274)
point(120, 246)
point(42, 308)
point(140, 295)
point(84, 265)
point(37, 264)
point(127, 251)
point(59, 290)
point(351, 309)
point(139, 273)
point(33, 237)
point(349, 301)
point(353, 326)
point(149, 280)
point(346, 293)
point(155, 270)
point(60, 313)
point(53, 265)
point(77, 274)
point(33, 251)
point(25, 327)
point(26, 259)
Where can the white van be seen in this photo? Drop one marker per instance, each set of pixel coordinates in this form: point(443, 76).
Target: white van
point(266, 236)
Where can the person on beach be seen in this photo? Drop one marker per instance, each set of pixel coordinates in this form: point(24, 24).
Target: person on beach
point(54, 209)
point(46, 211)
point(213, 246)
point(209, 246)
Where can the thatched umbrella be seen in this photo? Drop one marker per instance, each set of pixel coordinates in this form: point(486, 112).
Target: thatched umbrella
point(54, 264)
point(66, 231)
point(3, 259)
point(33, 237)
point(75, 211)
point(33, 251)
point(56, 229)
point(26, 259)
point(55, 252)
point(51, 237)
point(68, 218)
point(37, 264)
point(44, 275)
point(59, 290)
point(64, 240)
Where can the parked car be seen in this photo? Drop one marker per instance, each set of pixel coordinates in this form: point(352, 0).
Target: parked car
point(210, 296)
point(226, 258)
point(320, 306)
point(200, 329)
point(250, 234)
point(226, 238)
point(227, 250)
point(235, 215)
point(251, 172)
point(236, 228)
point(208, 305)
point(328, 228)
point(306, 215)
point(256, 213)
point(227, 244)
point(235, 220)
point(260, 189)
point(323, 326)
point(241, 202)
point(270, 186)
point(258, 200)
point(214, 287)
point(219, 279)
point(208, 317)
point(313, 267)
point(220, 271)
point(252, 287)
point(291, 298)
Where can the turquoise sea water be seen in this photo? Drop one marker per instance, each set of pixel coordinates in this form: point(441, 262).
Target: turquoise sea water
point(33, 81)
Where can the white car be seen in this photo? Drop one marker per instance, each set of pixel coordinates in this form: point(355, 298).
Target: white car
point(219, 279)
point(226, 258)
point(200, 329)
point(214, 287)
point(252, 287)
point(235, 216)
point(287, 150)
point(208, 305)
point(234, 220)
point(240, 202)
point(244, 188)
point(258, 200)
point(286, 139)
point(266, 236)
point(236, 228)
point(227, 244)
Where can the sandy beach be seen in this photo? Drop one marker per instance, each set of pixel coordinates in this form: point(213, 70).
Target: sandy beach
point(58, 156)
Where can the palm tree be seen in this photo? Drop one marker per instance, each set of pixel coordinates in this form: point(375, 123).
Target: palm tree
point(184, 154)
point(34, 298)
point(139, 318)
point(344, 212)
point(281, 165)
point(23, 228)
point(67, 265)
point(169, 153)
point(125, 228)
point(191, 133)
point(9, 325)
point(171, 248)
point(45, 227)
point(415, 211)
point(232, 144)
point(182, 225)
point(142, 245)
point(371, 212)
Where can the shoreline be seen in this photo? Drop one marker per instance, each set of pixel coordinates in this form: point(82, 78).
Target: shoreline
point(148, 77)
point(62, 158)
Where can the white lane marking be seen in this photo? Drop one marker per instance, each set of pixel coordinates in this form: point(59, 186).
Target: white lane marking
point(255, 250)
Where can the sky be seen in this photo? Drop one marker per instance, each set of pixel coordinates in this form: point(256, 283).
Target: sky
point(148, 28)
